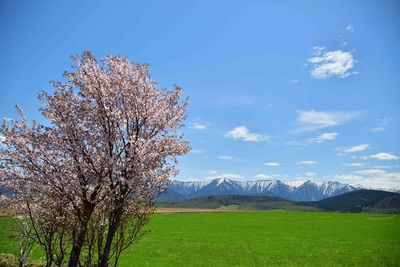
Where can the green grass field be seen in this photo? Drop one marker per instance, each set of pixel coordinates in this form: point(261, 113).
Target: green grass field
point(260, 239)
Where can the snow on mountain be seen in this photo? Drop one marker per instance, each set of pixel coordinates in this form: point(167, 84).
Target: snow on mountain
point(295, 183)
point(292, 190)
point(185, 188)
point(220, 186)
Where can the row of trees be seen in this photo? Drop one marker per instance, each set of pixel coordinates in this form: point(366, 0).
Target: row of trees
point(87, 179)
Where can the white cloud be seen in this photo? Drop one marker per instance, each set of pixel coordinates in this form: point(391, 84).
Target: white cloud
point(310, 174)
point(227, 157)
point(198, 126)
point(382, 156)
point(323, 137)
point(263, 176)
point(271, 164)
point(307, 162)
point(318, 139)
point(382, 123)
point(294, 81)
point(328, 64)
point(372, 178)
point(378, 129)
point(313, 120)
point(196, 151)
point(358, 148)
point(350, 28)
point(356, 164)
point(212, 171)
point(296, 143)
point(384, 166)
point(370, 172)
point(243, 133)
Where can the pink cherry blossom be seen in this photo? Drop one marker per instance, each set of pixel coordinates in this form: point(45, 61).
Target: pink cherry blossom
point(108, 148)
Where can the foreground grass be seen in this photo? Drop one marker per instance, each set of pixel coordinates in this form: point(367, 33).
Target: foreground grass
point(260, 239)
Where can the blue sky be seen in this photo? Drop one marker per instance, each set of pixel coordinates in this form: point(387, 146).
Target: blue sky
point(278, 89)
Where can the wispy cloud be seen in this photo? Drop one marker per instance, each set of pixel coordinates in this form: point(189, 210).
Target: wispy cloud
point(198, 126)
point(382, 123)
point(327, 64)
point(227, 157)
point(313, 120)
point(296, 143)
point(358, 148)
point(307, 162)
point(382, 156)
point(310, 174)
point(263, 176)
point(355, 164)
point(314, 140)
point(271, 164)
point(378, 129)
point(350, 28)
point(243, 133)
point(385, 166)
point(370, 172)
point(196, 151)
point(2, 138)
point(322, 138)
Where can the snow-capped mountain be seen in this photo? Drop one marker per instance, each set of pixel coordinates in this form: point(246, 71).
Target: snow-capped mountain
point(297, 191)
point(318, 190)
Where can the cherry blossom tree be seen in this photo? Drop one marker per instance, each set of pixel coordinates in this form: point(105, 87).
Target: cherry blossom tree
point(91, 174)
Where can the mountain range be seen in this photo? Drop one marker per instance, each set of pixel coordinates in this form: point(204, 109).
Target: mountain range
point(363, 200)
point(294, 191)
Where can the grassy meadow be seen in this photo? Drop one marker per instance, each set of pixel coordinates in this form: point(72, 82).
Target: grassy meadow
point(262, 238)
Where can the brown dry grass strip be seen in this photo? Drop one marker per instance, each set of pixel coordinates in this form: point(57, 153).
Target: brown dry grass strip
point(191, 210)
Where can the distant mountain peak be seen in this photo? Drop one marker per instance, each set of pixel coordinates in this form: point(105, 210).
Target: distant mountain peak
point(298, 190)
point(222, 180)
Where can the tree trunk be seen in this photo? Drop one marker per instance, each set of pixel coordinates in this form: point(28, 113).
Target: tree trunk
point(77, 246)
point(78, 243)
point(114, 224)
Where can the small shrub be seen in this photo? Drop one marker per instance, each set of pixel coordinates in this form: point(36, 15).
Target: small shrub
point(9, 260)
